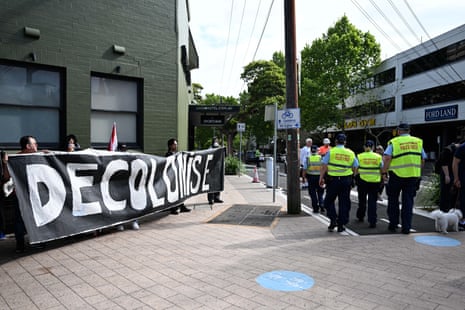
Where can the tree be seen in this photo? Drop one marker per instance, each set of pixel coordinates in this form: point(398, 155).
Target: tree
point(266, 84)
point(333, 67)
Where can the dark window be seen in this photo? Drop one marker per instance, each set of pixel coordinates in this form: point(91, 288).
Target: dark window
point(371, 108)
point(384, 77)
point(117, 100)
point(435, 59)
point(31, 103)
point(440, 94)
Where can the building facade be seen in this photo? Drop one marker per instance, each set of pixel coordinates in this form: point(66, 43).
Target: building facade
point(423, 86)
point(80, 66)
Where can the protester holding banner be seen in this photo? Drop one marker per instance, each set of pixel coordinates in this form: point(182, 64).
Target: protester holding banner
point(28, 146)
point(173, 149)
point(71, 143)
point(2, 216)
point(214, 196)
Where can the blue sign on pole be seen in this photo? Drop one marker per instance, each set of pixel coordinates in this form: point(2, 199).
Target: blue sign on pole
point(441, 113)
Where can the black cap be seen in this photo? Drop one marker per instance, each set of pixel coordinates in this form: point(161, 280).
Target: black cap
point(314, 148)
point(369, 143)
point(403, 126)
point(341, 138)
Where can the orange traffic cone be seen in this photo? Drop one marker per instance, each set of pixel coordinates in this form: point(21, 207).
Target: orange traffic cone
point(255, 176)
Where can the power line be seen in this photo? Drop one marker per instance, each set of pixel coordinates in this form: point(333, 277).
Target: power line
point(415, 35)
point(227, 44)
point(263, 31)
point(432, 41)
point(237, 42)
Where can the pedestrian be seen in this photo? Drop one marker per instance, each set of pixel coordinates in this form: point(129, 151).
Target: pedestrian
point(311, 169)
point(325, 147)
point(380, 151)
point(305, 152)
point(2, 215)
point(458, 168)
point(28, 146)
point(337, 170)
point(172, 150)
point(214, 197)
point(368, 180)
point(257, 157)
point(403, 160)
point(447, 196)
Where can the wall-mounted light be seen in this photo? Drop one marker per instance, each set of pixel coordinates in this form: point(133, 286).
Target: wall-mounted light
point(32, 32)
point(118, 49)
point(33, 56)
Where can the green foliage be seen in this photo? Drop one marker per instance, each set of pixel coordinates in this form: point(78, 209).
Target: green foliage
point(332, 66)
point(233, 166)
point(266, 84)
point(428, 196)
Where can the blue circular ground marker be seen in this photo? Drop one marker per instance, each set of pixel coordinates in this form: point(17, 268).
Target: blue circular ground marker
point(437, 241)
point(287, 281)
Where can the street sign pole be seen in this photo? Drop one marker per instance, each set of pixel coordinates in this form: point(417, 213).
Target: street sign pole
point(241, 128)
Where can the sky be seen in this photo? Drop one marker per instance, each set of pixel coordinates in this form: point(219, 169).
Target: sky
point(229, 34)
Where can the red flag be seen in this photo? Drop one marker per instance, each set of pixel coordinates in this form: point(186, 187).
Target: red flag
point(113, 143)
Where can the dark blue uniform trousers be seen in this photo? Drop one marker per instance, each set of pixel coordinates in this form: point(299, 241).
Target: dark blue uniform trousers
point(371, 190)
point(408, 187)
point(315, 191)
point(338, 187)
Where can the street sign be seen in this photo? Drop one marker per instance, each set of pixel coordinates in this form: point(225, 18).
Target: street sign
point(240, 127)
point(288, 119)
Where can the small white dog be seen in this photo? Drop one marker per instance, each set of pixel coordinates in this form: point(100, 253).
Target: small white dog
point(445, 220)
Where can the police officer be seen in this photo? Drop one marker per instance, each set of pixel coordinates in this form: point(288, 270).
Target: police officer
point(403, 159)
point(338, 166)
point(312, 172)
point(368, 180)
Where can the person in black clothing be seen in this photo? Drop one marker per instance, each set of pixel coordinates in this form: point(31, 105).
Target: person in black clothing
point(214, 196)
point(173, 149)
point(447, 198)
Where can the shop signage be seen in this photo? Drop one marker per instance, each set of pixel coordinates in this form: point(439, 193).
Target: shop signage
point(442, 113)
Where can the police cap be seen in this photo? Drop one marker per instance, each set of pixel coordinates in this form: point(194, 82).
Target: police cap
point(341, 138)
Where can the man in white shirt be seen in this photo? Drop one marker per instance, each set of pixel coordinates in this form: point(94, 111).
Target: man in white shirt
point(305, 152)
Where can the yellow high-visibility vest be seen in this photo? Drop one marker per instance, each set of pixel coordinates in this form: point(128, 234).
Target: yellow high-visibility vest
point(369, 166)
point(314, 164)
point(340, 161)
point(406, 156)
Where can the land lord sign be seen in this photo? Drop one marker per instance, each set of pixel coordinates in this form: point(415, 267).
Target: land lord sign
point(442, 113)
point(63, 194)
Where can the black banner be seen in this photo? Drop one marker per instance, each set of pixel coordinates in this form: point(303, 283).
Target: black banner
point(63, 194)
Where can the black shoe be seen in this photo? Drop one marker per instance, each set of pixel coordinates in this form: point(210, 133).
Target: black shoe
point(372, 225)
point(174, 211)
point(315, 211)
point(322, 210)
point(331, 227)
point(340, 228)
point(184, 209)
point(360, 219)
point(210, 202)
point(392, 228)
point(19, 249)
point(406, 231)
point(218, 201)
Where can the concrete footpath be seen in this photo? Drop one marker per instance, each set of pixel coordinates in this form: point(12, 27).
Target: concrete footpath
point(184, 262)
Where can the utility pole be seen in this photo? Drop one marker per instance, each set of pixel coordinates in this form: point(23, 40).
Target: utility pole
point(292, 141)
